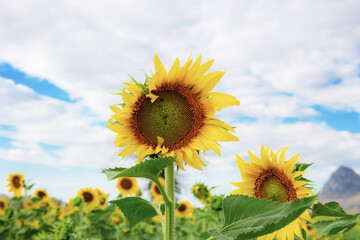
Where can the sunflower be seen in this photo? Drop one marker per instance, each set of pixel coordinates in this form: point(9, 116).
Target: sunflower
point(173, 114)
point(127, 186)
point(272, 178)
point(201, 192)
point(185, 210)
point(90, 198)
point(16, 183)
point(155, 192)
point(70, 208)
point(117, 217)
point(41, 193)
point(46, 202)
point(102, 198)
point(3, 205)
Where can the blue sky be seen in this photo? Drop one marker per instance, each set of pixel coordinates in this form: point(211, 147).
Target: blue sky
point(296, 74)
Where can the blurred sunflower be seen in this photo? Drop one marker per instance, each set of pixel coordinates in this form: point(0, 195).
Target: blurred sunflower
point(41, 193)
point(90, 198)
point(102, 198)
point(117, 217)
point(127, 186)
point(155, 192)
point(3, 205)
point(185, 210)
point(201, 192)
point(273, 178)
point(70, 208)
point(173, 113)
point(16, 183)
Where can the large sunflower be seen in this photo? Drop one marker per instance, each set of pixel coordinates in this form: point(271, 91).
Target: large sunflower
point(173, 113)
point(16, 183)
point(273, 178)
point(155, 192)
point(127, 186)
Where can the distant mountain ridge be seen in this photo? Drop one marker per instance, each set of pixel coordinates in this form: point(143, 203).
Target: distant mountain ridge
point(343, 186)
point(343, 183)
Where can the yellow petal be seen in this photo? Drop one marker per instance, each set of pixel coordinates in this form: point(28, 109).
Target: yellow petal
point(179, 159)
point(217, 133)
point(159, 67)
point(220, 123)
point(221, 100)
point(128, 151)
point(208, 82)
point(211, 145)
point(290, 164)
point(135, 90)
point(115, 109)
point(152, 97)
point(115, 128)
point(174, 69)
point(128, 99)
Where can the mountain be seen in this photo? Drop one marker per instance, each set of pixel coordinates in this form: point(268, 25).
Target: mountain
point(343, 183)
point(343, 186)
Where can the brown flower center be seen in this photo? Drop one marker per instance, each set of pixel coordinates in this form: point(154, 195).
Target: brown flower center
point(157, 190)
point(41, 194)
point(274, 185)
point(16, 182)
point(88, 197)
point(182, 208)
point(126, 183)
point(176, 116)
point(2, 205)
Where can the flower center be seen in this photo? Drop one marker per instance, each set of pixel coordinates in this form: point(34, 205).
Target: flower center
point(2, 205)
point(126, 183)
point(41, 194)
point(182, 208)
point(157, 190)
point(88, 197)
point(176, 116)
point(274, 185)
point(16, 182)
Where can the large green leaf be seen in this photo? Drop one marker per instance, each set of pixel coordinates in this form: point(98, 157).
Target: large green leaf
point(338, 220)
point(148, 169)
point(135, 209)
point(250, 217)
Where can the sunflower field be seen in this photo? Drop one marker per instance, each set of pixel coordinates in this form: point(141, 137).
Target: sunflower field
point(168, 121)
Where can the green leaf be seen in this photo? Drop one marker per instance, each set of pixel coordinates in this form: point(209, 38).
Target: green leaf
point(338, 220)
point(148, 169)
point(302, 166)
point(250, 217)
point(135, 209)
point(332, 209)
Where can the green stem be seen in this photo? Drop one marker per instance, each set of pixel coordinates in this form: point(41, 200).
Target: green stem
point(170, 205)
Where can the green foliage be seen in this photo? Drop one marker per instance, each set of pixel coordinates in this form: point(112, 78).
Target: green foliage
point(250, 217)
point(337, 221)
point(135, 209)
point(148, 169)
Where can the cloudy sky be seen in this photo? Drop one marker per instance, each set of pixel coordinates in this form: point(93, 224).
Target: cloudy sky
point(293, 65)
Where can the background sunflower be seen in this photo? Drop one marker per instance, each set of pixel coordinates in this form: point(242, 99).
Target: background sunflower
point(127, 186)
point(16, 183)
point(273, 178)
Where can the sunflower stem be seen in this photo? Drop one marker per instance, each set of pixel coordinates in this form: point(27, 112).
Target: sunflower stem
point(170, 205)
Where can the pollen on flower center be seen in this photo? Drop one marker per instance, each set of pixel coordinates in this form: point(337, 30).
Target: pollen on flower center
point(176, 116)
point(126, 183)
point(274, 185)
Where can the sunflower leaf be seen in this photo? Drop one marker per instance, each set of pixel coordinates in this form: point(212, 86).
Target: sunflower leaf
point(135, 209)
point(338, 220)
point(250, 217)
point(148, 169)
